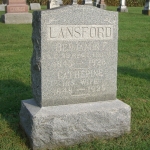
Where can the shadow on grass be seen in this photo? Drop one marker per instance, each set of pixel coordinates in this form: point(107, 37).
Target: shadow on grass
point(144, 73)
point(1, 15)
point(11, 94)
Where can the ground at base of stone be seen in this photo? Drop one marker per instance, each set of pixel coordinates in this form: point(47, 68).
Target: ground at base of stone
point(65, 125)
point(17, 18)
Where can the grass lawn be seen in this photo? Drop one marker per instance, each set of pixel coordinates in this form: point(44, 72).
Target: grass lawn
point(133, 82)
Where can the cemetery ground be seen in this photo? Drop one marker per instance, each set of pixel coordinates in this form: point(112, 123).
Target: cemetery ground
point(133, 82)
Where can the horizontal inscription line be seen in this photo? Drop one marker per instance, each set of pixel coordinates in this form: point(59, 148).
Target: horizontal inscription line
point(79, 32)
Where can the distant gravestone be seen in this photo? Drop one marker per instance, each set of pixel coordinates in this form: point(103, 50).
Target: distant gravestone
point(17, 12)
point(122, 7)
point(74, 2)
point(53, 4)
point(2, 7)
point(88, 2)
point(35, 6)
point(146, 9)
point(74, 78)
point(101, 4)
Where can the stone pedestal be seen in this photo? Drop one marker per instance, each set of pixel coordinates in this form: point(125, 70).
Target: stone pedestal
point(146, 10)
point(65, 125)
point(16, 18)
point(17, 12)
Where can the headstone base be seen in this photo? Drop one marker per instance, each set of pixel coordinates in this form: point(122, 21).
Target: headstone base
point(103, 6)
point(56, 126)
point(146, 12)
point(2, 7)
point(122, 9)
point(17, 18)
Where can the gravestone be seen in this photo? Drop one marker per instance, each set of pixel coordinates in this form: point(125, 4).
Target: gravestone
point(74, 78)
point(88, 2)
point(17, 12)
point(3, 5)
point(101, 4)
point(122, 7)
point(53, 4)
point(146, 9)
point(74, 2)
point(35, 6)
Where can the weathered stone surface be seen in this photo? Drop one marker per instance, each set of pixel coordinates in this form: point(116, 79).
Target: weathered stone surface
point(35, 6)
point(16, 18)
point(74, 58)
point(54, 126)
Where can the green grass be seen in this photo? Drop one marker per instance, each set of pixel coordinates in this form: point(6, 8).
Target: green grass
point(133, 82)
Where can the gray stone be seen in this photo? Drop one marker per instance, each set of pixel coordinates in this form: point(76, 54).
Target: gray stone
point(122, 7)
point(88, 2)
point(60, 2)
point(35, 6)
point(56, 126)
point(17, 18)
point(54, 4)
point(2, 7)
point(74, 78)
point(74, 58)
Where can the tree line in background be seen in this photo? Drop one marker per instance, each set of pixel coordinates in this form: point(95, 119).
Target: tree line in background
point(133, 3)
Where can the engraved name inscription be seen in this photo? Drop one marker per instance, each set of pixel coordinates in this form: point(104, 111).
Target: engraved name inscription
point(82, 32)
point(17, 9)
point(81, 67)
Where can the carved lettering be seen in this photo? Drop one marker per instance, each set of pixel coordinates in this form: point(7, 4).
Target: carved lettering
point(79, 74)
point(82, 32)
point(17, 9)
point(80, 47)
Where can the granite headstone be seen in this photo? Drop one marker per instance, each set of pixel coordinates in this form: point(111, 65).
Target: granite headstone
point(17, 12)
point(35, 6)
point(77, 61)
point(122, 7)
point(101, 4)
point(74, 78)
point(3, 5)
